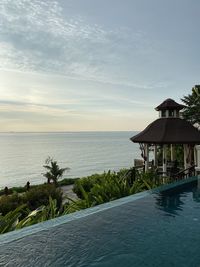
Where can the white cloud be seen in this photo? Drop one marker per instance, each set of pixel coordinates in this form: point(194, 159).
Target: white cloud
point(36, 36)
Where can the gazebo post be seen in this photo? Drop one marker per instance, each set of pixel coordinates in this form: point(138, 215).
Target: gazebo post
point(155, 155)
point(172, 153)
point(164, 160)
point(185, 149)
point(190, 155)
point(146, 157)
point(195, 156)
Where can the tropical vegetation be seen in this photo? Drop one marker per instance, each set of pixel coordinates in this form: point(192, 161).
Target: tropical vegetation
point(192, 106)
point(22, 217)
point(45, 202)
point(32, 199)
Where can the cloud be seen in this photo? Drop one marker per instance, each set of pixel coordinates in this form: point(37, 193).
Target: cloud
point(27, 108)
point(38, 30)
point(37, 36)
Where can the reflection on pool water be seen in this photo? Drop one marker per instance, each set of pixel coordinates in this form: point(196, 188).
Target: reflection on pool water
point(159, 229)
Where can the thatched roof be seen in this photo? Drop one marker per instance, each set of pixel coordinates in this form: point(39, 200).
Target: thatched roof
point(169, 104)
point(168, 131)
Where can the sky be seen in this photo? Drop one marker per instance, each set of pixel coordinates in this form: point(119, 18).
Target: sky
point(94, 65)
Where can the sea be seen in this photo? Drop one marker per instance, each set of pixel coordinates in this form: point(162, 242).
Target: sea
point(22, 155)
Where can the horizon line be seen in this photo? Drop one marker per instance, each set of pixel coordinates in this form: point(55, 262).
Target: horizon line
point(84, 131)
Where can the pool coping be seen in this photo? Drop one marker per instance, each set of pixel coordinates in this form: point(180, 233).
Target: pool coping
point(21, 233)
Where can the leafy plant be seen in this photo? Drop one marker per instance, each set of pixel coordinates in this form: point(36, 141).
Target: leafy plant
point(10, 221)
point(87, 183)
point(41, 214)
point(98, 189)
point(16, 220)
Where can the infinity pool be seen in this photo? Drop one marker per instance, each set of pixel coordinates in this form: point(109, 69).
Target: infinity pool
point(160, 228)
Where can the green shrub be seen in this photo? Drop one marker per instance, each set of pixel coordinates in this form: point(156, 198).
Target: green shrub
point(87, 183)
point(39, 195)
point(101, 188)
point(10, 203)
point(34, 198)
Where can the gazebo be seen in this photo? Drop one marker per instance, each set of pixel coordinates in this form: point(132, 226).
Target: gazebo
point(166, 132)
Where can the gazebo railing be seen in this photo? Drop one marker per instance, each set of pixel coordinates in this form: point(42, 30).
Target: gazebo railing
point(184, 173)
point(172, 174)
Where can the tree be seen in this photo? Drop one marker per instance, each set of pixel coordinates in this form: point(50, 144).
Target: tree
point(54, 171)
point(192, 110)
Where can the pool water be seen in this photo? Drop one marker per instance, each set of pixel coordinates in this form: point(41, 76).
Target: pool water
point(159, 229)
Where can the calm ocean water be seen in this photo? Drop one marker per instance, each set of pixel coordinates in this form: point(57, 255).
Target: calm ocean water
point(23, 154)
